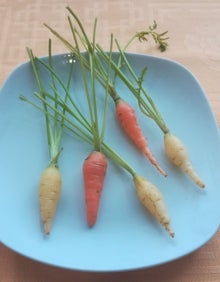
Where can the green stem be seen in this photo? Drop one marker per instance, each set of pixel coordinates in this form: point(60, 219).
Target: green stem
point(54, 127)
point(93, 65)
point(97, 143)
point(79, 115)
point(106, 93)
point(40, 86)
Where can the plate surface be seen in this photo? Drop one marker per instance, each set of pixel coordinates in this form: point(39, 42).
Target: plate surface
point(125, 235)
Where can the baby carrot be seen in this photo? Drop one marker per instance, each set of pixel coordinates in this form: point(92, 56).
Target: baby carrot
point(152, 199)
point(50, 182)
point(148, 194)
point(49, 194)
point(128, 121)
point(94, 170)
point(177, 153)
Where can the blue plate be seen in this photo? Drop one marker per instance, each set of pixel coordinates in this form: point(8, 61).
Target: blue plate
point(125, 236)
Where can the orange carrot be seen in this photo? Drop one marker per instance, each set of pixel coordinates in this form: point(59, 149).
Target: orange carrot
point(128, 121)
point(94, 170)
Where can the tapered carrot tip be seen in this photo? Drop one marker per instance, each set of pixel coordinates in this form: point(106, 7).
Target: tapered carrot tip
point(47, 227)
point(161, 170)
point(169, 230)
point(151, 158)
point(91, 220)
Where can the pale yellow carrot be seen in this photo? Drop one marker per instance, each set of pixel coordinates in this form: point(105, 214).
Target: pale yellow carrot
point(49, 194)
point(177, 153)
point(152, 199)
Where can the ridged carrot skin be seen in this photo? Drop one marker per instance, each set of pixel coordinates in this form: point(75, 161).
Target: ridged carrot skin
point(152, 199)
point(49, 194)
point(128, 120)
point(94, 171)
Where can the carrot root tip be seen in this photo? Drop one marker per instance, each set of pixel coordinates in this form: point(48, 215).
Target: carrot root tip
point(47, 227)
point(153, 161)
point(168, 229)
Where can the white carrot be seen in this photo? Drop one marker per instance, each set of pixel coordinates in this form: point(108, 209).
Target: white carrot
point(152, 199)
point(49, 194)
point(50, 182)
point(177, 153)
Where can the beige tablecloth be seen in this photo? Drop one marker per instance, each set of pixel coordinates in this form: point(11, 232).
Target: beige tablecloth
point(194, 31)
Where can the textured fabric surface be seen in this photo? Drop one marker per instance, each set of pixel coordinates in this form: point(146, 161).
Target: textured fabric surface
point(194, 32)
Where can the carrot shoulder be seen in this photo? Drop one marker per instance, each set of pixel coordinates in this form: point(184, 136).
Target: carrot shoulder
point(94, 171)
point(128, 120)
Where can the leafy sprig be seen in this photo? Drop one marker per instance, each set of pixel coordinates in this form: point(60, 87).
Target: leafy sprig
point(159, 38)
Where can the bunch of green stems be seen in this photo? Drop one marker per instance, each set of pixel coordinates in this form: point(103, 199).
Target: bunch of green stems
point(103, 58)
point(63, 109)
